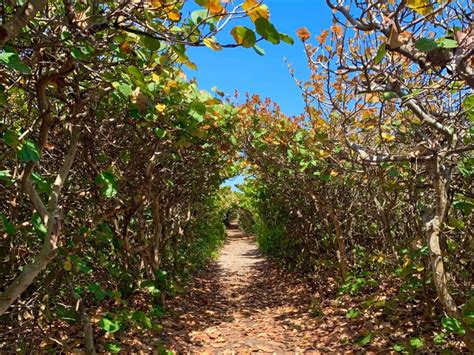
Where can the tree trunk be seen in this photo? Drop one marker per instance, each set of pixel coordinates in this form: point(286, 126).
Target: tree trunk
point(51, 218)
point(341, 248)
point(158, 231)
point(434, 226)
point(33, 269)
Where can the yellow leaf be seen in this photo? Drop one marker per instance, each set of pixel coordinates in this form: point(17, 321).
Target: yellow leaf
point(68, 264)
point(174, 15)
point(373, 98)
point(403, 129)
point(255, 10)
point(156, 3)
point(323, 153)
point(190, 65)
point(423, 7)
point(214, 6)
point(160, 108)
point(212, 43)
point(388, 137)
point(155, 77)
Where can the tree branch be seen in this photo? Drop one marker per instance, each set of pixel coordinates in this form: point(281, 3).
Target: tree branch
point(12, 28)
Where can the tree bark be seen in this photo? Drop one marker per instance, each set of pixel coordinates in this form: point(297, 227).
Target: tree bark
point(434, 225)
point(54, 225)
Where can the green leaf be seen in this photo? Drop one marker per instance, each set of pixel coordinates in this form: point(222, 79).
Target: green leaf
point(125, 89)
point(417, 342)
point(38, 225)
point(468, 319)
point(388, 95)
point(468, 312)
point(79, 53)
point(197, 108)
point(11, 138)
point(151, 43)
point(244, 36)
point(6, 176)
point(83, 267)
point(107, 183)
point(159, 132)
point(382, 51)
point(364, 340)
point(99, 293)
point(448, 43)
point(142, 319)
point(352, 313)
point(12, 61)
point(398, 348)
point(259, 50)
point(7, 226)
point(68, 315)
point(439, 338)
point(468, 105)
point(136, 73)
point(267, 30)
point(453, 325)
point(29, 152)
point(3, 98)
point(113, 347)
point(198, 16)
point(426, 44)
point(464, 205)
point(109, 325)
point(42, 184)
point(287, 38)
point(65, 35)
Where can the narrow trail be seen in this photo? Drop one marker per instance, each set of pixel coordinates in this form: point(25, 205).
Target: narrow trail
point(243, 304)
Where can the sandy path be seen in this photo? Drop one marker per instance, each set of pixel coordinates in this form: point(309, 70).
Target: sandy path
point(241, 305)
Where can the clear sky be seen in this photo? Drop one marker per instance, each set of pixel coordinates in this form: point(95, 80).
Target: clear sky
point(244, 70)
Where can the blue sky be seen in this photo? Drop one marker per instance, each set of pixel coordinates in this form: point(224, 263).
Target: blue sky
point(268, 76)
point(244, 70)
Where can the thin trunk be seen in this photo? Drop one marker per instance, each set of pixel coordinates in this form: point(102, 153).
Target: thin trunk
point(434, 226)
point(341, 248)
point(158, 232)
point(89, 347)
point(33, 269)
point(51, 218)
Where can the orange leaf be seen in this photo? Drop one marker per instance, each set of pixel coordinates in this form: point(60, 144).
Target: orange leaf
point(255, 10)
point(322, 38)
point(214, 6)
point(174, 15)
point(337, 30)
point(303, 34)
